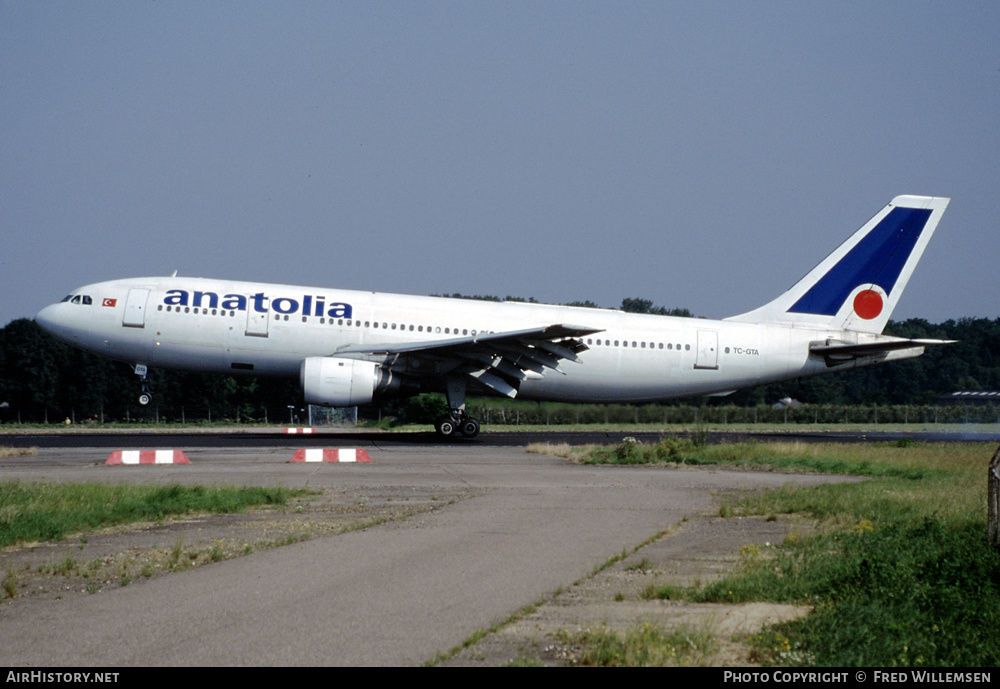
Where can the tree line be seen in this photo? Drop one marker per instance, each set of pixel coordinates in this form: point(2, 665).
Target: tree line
point(44, 380)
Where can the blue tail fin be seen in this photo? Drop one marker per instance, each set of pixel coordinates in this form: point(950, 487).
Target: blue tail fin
point(858, 285)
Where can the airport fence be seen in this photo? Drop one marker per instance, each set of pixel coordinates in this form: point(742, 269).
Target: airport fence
point(583, 414)
point(521, 413)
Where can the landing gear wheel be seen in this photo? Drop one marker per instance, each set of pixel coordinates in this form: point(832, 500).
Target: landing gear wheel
point(445, 426)
point(450, 426)
point(145, 398)
point(470, 428)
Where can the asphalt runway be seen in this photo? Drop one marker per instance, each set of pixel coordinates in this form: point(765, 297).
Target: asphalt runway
point(394, 594)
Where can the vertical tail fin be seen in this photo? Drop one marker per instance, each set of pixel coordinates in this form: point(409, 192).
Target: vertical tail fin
point(858, 285)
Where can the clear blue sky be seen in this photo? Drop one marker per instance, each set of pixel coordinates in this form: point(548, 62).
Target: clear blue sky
point(698, 154)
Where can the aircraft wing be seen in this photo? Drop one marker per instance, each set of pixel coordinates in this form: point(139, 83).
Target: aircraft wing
point(498, 361)
point(841, 352)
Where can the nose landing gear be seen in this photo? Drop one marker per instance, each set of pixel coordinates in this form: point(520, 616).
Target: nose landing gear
point(146, 396)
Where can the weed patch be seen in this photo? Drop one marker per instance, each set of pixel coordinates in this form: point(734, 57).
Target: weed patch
point(642, 645)
point(755, 455)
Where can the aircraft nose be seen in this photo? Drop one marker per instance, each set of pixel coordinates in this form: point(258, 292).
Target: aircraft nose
point(49, 320)
point(45, 317)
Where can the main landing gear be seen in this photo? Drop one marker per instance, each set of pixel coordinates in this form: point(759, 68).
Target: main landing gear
point(146, 396)
point(457, 423)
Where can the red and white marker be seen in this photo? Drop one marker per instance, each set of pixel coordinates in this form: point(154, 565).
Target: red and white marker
point(299, 430)
point(148, 457)
point(318, 454)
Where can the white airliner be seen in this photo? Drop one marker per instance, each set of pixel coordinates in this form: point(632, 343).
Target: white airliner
point(349, 348)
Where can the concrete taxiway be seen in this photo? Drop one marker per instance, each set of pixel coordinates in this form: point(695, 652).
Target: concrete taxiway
point(394, 594)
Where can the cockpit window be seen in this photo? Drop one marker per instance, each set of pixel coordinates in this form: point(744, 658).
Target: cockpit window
point(87, 299)
point(66, 298)
point(76, 299)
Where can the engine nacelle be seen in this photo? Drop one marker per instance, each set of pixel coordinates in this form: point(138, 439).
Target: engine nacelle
point(337, 382)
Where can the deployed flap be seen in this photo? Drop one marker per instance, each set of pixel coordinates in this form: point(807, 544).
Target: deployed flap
point(496, 361)
point(532, 336)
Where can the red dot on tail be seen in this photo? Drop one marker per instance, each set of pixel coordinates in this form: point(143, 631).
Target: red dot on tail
point(868, 304)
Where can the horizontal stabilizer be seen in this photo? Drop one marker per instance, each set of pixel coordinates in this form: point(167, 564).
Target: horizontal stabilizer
point(837, 353)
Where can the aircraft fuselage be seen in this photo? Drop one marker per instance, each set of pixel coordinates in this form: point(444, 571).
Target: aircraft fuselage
point(216, 326)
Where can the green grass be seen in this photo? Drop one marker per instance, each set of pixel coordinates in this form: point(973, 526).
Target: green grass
point(886, 461)
point(898, 570)
point(35, 511)
point(910, 594)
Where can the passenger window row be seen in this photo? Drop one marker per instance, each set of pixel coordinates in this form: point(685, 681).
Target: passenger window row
point(197, 310)
point(349, 322)
point(401, 327)
point(639, 345)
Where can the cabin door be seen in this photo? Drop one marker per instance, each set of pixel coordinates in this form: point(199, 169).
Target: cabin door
point(135, 308)
point(257, 322)
point(708, 349)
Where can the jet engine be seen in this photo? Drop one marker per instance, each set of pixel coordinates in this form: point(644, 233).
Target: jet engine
point(337, 382)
